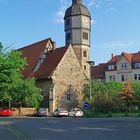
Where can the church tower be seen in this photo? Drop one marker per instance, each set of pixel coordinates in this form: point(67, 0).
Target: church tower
point(77, 32)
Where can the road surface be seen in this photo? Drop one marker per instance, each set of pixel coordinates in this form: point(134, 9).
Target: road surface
point(69, 129)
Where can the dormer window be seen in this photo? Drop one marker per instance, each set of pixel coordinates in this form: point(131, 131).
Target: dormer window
point(111, 67)
point(40, 61)
point(137, 65)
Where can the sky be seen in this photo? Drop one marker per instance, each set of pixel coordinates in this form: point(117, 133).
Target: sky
point(115, 24)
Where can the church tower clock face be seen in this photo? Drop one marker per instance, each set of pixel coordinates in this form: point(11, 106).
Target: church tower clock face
point(77, 32)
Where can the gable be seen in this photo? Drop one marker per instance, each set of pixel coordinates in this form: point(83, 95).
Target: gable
point(123, 64)
point(32, 54)
point(69, 69)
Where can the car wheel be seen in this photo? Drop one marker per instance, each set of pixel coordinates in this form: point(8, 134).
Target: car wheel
point(74, 115)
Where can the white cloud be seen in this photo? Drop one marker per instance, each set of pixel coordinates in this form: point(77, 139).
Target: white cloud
point(59, 15)
point(107, 4)
point(93, 21)
point(91, 3)
point(118, 44)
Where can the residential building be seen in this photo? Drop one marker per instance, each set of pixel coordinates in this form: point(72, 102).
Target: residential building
point(119, 68)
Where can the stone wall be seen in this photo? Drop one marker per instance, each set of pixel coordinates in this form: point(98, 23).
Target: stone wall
point(26, 111)
point(68, 78)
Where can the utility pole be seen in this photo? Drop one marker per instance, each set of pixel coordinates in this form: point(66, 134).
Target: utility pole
point(91, 63)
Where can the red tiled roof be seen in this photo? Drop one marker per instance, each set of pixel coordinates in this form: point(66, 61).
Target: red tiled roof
point(128, 56)
point(98, 71)
point(113, 60)
point(136, 57)
point(50, 63)
point(131, 57)
point(32, 53)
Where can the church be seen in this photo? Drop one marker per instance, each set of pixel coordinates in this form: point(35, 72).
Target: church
point(62, 72)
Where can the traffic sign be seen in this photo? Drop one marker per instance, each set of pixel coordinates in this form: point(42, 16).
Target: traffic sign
point(86, 105)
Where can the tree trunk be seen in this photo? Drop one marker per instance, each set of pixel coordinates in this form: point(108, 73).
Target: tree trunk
point(20, 109)
point(9, 104)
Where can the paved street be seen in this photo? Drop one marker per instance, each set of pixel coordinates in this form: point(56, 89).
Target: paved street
point(69, 128)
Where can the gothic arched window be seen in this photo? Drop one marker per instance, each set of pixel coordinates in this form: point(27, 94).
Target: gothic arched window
point(85, 53)
point(68, 96)
point(85, 67)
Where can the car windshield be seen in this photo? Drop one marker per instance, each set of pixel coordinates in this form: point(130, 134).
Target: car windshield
point(78, 110)
point(41, 109)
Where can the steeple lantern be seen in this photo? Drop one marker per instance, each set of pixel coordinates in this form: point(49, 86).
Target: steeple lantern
point(76, 1)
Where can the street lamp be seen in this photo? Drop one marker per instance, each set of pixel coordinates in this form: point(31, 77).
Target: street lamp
point(91, 63)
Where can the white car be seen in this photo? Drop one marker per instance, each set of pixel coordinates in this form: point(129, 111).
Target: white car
point(60, 112)
point(76, 112)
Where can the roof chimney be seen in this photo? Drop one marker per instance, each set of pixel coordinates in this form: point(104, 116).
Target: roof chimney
point(76, 1)
point(112, 55)
point(54, 45)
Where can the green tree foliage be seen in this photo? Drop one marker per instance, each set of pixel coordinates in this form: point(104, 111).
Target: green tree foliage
point(28, 94)
point(105, 95)
point(11, 65)
point(12, 83)
point(136, 89)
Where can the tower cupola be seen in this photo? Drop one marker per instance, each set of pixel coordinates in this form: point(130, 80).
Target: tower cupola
point(76, 1)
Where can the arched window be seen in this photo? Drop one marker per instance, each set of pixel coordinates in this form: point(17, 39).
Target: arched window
point(85, 53)
point(68, 96)
point(85, 67)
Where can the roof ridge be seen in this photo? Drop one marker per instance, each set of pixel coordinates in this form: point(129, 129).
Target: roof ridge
point(47, 39)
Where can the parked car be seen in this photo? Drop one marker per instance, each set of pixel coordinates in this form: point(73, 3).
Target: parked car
point(76, 112)
point(6, 112)
point(41, 112)
point(60, 112)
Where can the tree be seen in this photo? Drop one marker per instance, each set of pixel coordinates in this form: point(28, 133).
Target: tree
point(28, 94)
point(13, 87)
point(11, 65)
point(128, 96)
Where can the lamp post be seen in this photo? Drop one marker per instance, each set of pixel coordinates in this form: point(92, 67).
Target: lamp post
point(91, 63)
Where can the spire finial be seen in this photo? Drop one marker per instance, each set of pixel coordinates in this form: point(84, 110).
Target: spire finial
point(76, 1)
